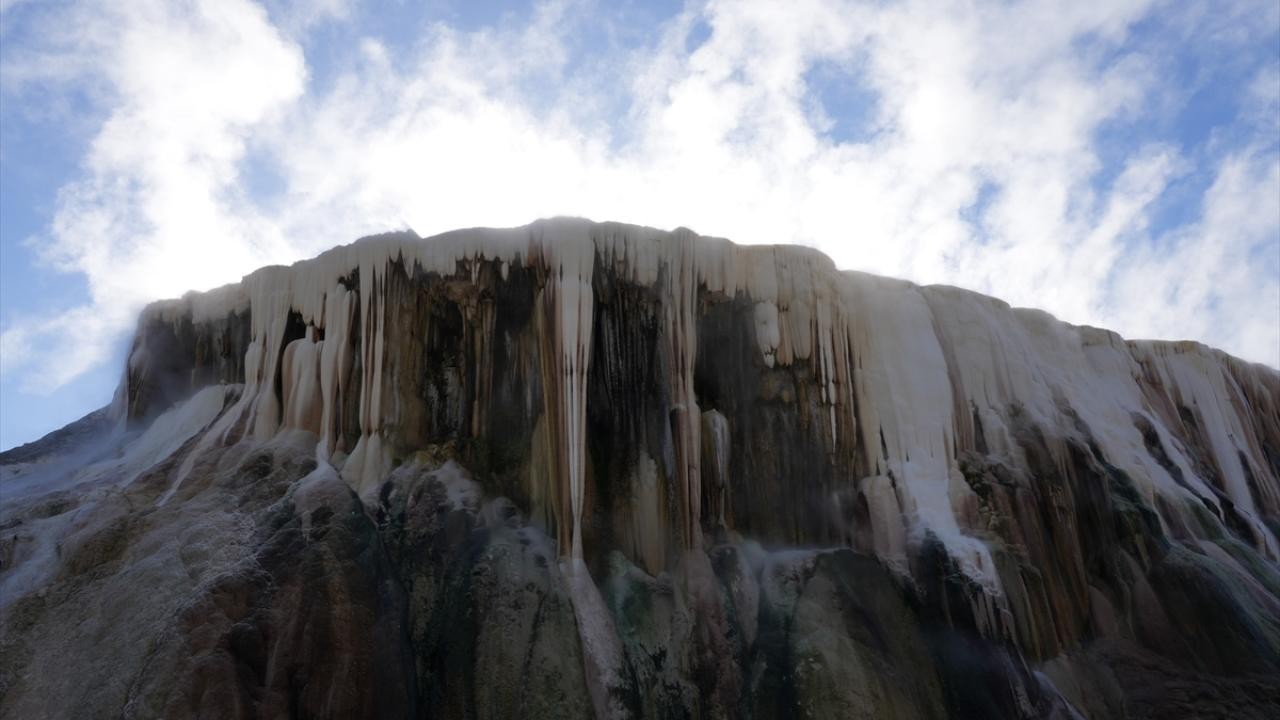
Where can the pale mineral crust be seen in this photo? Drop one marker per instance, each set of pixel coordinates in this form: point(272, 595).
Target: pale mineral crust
point(578, 469)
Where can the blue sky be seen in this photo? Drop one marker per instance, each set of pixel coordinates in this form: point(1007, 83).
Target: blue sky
point(1116, 163)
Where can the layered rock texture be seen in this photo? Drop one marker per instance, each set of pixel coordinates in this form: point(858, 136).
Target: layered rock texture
point(576, 470)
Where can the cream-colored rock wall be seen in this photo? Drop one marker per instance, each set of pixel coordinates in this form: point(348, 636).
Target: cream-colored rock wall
point(910, 375)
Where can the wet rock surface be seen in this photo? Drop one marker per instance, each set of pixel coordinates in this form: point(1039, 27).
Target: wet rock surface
point(579, 470)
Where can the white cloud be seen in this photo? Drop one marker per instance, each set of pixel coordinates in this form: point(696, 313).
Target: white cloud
point(296, 17)
point(999, 102)
point(157, 210)
point(1219, 277)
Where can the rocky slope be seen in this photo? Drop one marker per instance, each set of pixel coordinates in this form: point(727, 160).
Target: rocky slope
point(576, 469)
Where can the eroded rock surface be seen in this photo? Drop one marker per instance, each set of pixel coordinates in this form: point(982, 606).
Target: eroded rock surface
point(597, 470)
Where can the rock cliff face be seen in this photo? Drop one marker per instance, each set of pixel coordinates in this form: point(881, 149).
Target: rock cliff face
point(576, 469)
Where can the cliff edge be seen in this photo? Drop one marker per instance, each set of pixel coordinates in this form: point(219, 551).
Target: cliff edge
point(581, 469)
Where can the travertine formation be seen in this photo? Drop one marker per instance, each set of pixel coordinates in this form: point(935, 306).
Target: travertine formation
point(773, 489)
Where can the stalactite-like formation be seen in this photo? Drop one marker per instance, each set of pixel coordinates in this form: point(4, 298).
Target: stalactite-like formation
point(566, 303)
point(896, 382)
point(799, 403)
point(754, 485)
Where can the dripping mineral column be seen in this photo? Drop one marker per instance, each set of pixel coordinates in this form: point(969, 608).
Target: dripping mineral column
point(686, 419)
point(370, 459)
point(335, 363)
point(568, 304)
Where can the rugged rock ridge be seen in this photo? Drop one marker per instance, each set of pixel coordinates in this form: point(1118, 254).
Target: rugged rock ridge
point(554, 470)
